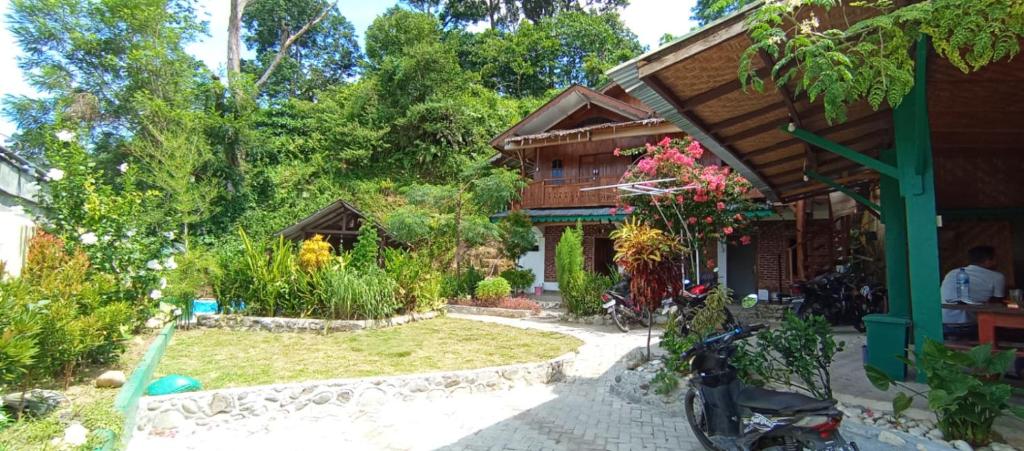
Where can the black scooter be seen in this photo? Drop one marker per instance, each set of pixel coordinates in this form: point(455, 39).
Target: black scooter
point(727, 415)
point(617, 302)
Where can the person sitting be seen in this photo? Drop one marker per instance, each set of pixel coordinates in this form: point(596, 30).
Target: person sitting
point(984, 285)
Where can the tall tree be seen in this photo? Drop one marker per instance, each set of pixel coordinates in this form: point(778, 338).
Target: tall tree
point(507, 14)
point(706, 11)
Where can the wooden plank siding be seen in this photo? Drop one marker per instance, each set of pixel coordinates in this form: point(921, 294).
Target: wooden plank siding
point(583, 165)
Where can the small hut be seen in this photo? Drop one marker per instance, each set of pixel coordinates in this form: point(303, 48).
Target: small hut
point(339, 224)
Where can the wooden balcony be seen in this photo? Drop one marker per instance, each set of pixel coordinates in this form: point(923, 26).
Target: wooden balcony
point(565, 193)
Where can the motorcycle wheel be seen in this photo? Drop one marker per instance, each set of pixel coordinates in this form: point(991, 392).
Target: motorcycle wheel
point(695, 415)
point(645, 318)
point(620, 322)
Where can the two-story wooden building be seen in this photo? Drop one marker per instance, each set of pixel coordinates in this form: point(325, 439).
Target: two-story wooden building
point(568, 144)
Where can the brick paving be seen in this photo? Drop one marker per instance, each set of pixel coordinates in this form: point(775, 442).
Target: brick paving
point(578, 414)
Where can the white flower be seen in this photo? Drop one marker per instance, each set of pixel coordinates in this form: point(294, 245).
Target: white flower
point(809, 25)
point(169, 263)
point(163, 283)
point(169, 235)
point(88, 238)
point(775, 40)
point(123, 167)
point(156, 294)
point(66, 136)
point(76, 435)
point(154, 265)
point(130, 233)
point(54, 174)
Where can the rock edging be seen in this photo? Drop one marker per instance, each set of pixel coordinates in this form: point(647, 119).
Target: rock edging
point(279, 324)
point(489, 311)
point(213, 408)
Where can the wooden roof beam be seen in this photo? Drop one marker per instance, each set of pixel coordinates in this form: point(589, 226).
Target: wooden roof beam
point(873, 138)
point(828, 131)
point(737, 120)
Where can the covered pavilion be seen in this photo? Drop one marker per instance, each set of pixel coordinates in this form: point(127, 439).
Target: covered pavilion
point(951, 151)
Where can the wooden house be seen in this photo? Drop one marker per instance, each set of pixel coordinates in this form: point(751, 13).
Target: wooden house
point(568, 144)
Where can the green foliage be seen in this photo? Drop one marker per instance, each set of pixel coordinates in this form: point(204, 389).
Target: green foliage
point(352, 294)
point(419, 284)
point(652, 258)
point(364, 255)
point(20, 324)
point(965, 389)
point(871, 59)
point(461, 285)
point(706, 320)
point(581, 290)
point(797, 355)
point(519, 279)
point(707, 11)
point(516, 233)
point(491, 290)
point(270, 282)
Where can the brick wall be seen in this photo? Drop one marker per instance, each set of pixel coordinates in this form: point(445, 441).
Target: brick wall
point(553, 233)
point(773, 252)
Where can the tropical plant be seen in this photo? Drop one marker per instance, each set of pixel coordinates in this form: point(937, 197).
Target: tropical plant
point(871, 59)
point(798, 354)
point(365, 254)
point(352, 294)
point(652, 258)
point(569, 264)
point(516, 234)
point(708, 202)
point(519, 279)
point(461, 284)
point(419, 285)
point(965, 389)
point(314, 253)
point(271, 280)
point(492, 290)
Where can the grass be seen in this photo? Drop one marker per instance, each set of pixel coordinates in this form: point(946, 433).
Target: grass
point(91, 406)
point(221, 358)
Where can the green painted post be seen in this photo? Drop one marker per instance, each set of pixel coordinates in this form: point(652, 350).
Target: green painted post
point(894, 216)
point(917, 184)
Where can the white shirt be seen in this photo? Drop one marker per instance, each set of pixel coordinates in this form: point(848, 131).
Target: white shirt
point(985, 284)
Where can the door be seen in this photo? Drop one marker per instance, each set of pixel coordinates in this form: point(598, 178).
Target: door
point(604, 256)
point(741, 270)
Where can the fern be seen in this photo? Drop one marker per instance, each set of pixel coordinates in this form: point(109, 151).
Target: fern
point(871, 59)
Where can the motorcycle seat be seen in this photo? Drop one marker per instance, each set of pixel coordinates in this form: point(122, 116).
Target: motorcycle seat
point(769, 401)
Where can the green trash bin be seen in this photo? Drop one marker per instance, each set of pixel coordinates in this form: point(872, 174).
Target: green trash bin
point(887, 340)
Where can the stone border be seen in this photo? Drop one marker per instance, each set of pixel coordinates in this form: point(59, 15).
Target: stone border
point(490, 311)
point(280, 324)
point(214, 408)
point(604, 319)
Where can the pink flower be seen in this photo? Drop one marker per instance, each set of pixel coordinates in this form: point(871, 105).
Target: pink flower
point(647, 166)
point(694, 149)
point(738, 217)
point(745, 240)
point(709, 220)
point(728, 230)
point(680, 198)
point(720, 206)
point(616, 152)
point(628, 174)
point(665, 141)
point(711, 263)
point(701, 196)
point(613, 211)
point(692, 220)
point(629, 209)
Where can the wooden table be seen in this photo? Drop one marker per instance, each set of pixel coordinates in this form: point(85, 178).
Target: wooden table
point(990, 316)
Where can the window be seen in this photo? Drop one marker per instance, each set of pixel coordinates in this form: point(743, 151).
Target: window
point(557, 171)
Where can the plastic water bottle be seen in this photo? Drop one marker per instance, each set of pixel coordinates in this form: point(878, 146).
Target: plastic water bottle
point(963, 286)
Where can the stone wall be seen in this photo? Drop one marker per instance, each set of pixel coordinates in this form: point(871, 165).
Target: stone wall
point(213, 408)
point(274, 324)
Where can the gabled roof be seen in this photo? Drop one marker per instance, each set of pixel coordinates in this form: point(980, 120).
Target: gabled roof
point(324, 217)
point(563, 105)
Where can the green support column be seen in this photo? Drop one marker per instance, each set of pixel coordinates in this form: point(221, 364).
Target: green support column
point(914, 162)
point(894, 216)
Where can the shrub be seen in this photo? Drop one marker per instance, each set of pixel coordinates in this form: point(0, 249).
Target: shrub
point(270, 284)
point(352, 294)
point(519, 279)
point(492, 290)
point(965, 389)
point(365, 253)
point(569, 260)
point(516, 234)
point(314, 253)
point(460, 285)
point(419, 285)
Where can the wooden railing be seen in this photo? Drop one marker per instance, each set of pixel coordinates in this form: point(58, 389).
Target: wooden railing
point(565, 193)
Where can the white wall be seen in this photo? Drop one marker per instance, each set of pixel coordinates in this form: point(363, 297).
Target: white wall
point(16, 228)
point(534, 260)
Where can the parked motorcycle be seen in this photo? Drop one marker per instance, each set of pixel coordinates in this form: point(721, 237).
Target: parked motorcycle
point(685, 307)
point(618, 303)
point(725, 414)
point(842, 298)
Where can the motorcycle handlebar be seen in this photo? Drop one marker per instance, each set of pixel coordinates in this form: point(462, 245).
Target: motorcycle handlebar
point(738, 333)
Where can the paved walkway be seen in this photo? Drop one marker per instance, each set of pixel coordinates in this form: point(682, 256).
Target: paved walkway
point(579, 414)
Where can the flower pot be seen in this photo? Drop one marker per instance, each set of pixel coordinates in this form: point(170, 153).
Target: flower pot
point(538, 290)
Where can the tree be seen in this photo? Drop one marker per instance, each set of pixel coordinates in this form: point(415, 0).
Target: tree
point(707, 11)
point(871, 59)
point(507, 14)
point(326, 54)
point(516, 233)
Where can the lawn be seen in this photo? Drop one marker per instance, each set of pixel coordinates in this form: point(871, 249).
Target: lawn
point(91, 406)
point(221, 358)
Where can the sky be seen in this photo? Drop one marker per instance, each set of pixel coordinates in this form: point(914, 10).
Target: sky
point(649, 19)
